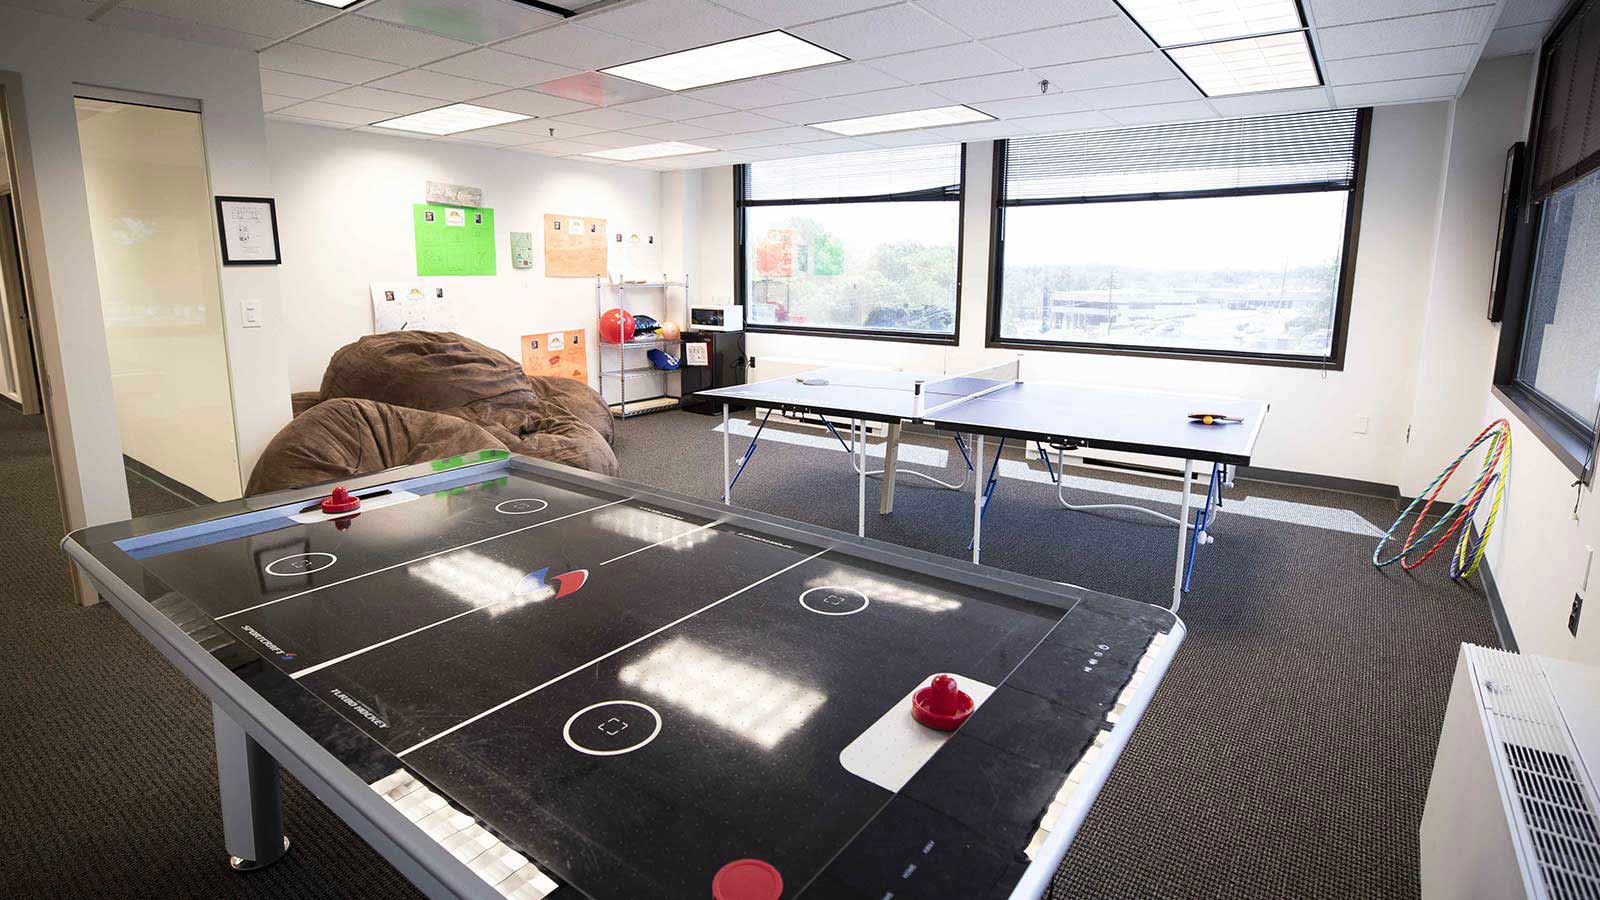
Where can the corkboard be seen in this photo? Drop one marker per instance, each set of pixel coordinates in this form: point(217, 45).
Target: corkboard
point(560, 354)
point(574, 247)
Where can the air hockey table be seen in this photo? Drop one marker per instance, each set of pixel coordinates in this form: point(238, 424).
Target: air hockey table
point(516, 679)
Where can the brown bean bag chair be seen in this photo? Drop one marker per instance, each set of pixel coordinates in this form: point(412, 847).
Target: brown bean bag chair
point(343, 437)
point(550, 418)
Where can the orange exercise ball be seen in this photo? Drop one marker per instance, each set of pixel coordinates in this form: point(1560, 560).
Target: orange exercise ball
point(670, 331)
point(616, 326)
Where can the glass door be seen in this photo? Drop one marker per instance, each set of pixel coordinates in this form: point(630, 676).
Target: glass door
point(154, 251)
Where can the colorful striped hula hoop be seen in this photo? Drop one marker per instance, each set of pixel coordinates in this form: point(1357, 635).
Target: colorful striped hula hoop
point(1468, 552)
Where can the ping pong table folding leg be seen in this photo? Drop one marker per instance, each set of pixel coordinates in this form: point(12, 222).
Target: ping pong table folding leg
point(1178, 579)
point(1204, 519)
point(727, 490)
point(252, 812)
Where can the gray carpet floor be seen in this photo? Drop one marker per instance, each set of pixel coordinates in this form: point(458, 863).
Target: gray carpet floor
point(1286, 755)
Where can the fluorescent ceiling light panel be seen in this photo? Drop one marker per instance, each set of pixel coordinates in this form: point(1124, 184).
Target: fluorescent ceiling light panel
point(1272, 63)
point(650, 151)
point(1173, 22)
point(761, 54)
point(337, 4)
point(903, 121)
point(452, 119)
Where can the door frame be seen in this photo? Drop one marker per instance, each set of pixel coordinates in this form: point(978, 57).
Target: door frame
point(13, 274)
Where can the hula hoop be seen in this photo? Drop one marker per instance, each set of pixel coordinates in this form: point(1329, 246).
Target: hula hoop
point(1468, 552)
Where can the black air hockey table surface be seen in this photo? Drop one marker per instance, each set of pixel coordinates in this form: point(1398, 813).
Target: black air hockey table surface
point(519, 680)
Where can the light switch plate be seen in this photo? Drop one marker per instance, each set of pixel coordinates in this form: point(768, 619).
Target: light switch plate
point(252, 314)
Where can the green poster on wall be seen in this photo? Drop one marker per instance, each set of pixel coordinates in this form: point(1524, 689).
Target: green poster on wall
point(454, 240)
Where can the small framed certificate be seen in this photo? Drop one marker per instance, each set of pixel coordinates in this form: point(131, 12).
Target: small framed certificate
point(249, 230)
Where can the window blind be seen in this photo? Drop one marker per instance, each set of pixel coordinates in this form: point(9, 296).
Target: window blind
point(1289, 151)
point(1567, 135)
point(905, 172)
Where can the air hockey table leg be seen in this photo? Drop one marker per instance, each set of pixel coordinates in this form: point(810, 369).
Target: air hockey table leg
point(252, 812)
point(1183, 534)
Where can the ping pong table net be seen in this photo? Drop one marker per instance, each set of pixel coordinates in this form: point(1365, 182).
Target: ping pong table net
point(941, 394)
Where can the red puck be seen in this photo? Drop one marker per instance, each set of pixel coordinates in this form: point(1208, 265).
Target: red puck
point(942, 705)
point(747, 879)
point(341, 501)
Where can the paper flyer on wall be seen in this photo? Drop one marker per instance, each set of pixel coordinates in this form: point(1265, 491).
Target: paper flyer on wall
point(412, 306)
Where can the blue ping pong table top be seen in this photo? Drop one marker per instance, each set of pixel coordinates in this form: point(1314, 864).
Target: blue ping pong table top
point(1077, 416)
point(631, 688)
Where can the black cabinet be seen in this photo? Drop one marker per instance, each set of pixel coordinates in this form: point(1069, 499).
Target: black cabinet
point(725, 353)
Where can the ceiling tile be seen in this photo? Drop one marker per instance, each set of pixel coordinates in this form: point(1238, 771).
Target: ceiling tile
point(562, 148)
point(1004, 86)
point(790, 12)
point(1173, 91)
point(1440, 87)
point(793, 134)
point(1039, 105)
point(1527, 12)
point(1326, 13)
point(318, 123)
point(494, 136)
point(501, 68)
point(1163, 112)
point(1073, 43)
point(598, 89)
point(182, 29)
point(1272, 102)
point(736, 122)
point(608, 119)
point(77, 9)
point(1466, 26)
point(812, 111)
point(837, 79)
point(837, 145)
point(275, 19)
point(383, 101)
point(880, 32)
point(289, 85)
point(1514, 40)
point(988, 18)
point(1078, 121)
point(579, 47)
point(530, 103)
point(976, 131)
point(270, 102)
point(303, 60)
point(611, 140)
point(1111, 71)
point(371, 38)
point(955, 61)
point(674, 24)
point(748, 94)
point(898, 99)
point(674, 106)
point(475, 21)
point(329, 112)
point(1394, 66)
point(673, 131)
point(732, 141)
point(424, 83)
point(543, 128)
point(904, 139)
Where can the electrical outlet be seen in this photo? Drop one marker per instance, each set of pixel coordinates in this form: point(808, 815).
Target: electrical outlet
point(1361, 424)
point(1577, 609)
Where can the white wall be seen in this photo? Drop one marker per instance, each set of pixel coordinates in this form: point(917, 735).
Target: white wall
point(345, 221)
point(49, 54)
point(1312, 424)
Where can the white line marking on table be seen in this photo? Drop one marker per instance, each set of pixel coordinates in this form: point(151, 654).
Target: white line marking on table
point(493, 537)
point(663, 541)
point(354, 653)
point(603, 657)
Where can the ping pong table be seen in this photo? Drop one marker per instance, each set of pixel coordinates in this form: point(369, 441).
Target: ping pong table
point(996, 402)
point(518, 680)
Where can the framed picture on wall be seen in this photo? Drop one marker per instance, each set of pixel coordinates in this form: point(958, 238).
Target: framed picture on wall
point(249, 230)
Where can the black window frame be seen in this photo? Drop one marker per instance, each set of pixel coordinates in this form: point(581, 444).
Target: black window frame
point(1571, 440)
point(1347, 266)
point(741, 201)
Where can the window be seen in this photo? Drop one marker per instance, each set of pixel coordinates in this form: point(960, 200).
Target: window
point(1548, 371)
point(859, 244)
point(1226, 239)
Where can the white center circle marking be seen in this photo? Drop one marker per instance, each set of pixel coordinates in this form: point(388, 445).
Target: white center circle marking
point(566, 730)
point(301, 564)
point(833, 593)
point(532, 504)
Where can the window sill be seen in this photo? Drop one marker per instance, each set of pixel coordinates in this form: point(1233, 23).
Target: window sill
point(910, 337)
point(1569, 445)
point(1247, 359)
